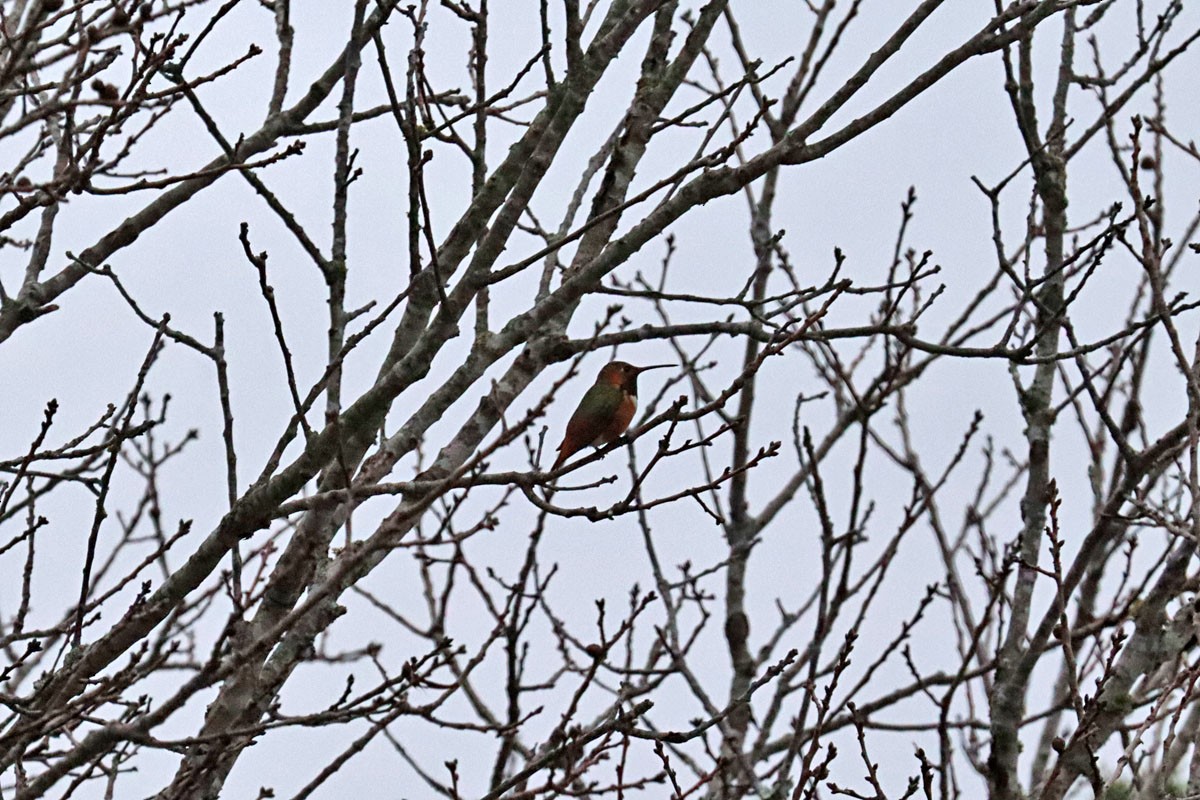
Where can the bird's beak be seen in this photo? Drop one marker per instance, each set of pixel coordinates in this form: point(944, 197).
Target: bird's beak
point(640, 370)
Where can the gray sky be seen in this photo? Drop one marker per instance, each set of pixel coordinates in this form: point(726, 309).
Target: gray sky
point(191, 265)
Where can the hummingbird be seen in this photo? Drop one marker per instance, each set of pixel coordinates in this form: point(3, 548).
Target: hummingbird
point(605, 410)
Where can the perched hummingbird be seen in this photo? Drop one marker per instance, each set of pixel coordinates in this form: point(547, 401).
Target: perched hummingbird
point(605, 410)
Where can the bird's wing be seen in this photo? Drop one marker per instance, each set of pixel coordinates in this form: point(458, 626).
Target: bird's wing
point(595, 411)
point(594, 414)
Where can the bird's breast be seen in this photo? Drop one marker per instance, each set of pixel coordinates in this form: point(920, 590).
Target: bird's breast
point(620, 421)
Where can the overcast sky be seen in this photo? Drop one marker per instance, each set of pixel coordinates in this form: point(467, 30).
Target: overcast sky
point(87, 354)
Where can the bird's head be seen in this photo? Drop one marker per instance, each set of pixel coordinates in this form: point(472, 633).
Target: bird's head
point(620, 373)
